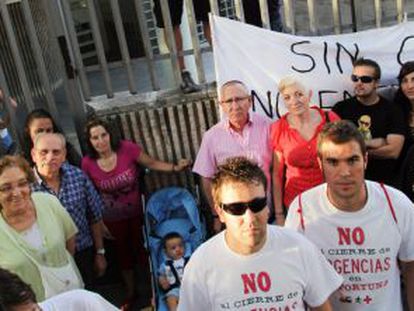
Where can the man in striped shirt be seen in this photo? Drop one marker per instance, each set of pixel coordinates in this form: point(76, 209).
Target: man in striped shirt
point(239, 133)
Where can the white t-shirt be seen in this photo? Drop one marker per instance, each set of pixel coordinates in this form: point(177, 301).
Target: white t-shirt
point(77, 300)
point(362, 246)
point(285, 272)
point(33, 236)
point(165, 270)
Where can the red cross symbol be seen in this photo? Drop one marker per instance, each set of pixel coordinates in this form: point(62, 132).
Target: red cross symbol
point(367, 299)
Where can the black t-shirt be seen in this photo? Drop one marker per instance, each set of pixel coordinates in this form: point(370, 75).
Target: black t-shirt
point(379, 120)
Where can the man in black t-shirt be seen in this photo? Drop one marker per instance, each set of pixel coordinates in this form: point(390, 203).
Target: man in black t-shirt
point(380, 122)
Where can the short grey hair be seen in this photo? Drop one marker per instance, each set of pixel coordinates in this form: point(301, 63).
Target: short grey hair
point(231, 83)
point(39, 136)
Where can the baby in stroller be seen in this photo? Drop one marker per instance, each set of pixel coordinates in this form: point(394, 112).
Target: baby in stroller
point(172, 269)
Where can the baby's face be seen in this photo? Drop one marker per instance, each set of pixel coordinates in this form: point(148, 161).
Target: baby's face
point(175, 248)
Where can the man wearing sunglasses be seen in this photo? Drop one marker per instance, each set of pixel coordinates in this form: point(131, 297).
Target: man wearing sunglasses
point(364, 229)
point(252, 265)
point(239, 133)
point(386, 126)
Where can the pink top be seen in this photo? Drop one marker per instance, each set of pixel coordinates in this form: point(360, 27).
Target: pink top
point(119, 187)
point(299, 156)
point(221, 142)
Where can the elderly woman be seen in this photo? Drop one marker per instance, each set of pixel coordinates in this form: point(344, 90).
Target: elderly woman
point(112, 166)
point(293, 139)
point(41, 121)
point(37, 236)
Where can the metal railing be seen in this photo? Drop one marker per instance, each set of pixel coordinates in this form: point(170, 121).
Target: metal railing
point(308, 17)
point(35, 61)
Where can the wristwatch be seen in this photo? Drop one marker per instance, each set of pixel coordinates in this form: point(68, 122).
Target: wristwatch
point(100, 251)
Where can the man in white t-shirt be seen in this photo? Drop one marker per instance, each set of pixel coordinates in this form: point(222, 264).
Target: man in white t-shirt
point(252, 265)
point(362, 227)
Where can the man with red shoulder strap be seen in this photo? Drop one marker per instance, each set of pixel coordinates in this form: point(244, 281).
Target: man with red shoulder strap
point(363, 228)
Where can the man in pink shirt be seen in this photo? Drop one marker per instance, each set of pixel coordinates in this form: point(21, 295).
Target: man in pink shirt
point(239, 133)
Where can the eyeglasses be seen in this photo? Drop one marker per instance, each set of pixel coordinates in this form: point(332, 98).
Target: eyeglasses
point(364, 123)
point(239, 208)
point(363, 79)
point(238, 100)
point(8, 188)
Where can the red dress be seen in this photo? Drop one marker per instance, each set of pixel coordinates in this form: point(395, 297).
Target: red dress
point(298, 155)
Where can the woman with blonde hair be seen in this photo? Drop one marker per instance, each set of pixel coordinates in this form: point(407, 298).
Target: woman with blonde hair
point(293, 139)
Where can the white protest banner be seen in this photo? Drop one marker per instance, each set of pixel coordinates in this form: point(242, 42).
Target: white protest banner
point(260, 58)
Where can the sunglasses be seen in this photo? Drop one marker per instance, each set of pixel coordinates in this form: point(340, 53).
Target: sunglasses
point(239, 208)
point(363, 79)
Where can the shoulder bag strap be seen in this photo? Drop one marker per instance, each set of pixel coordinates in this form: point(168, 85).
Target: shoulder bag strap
point(389, 202)
point(300, 211)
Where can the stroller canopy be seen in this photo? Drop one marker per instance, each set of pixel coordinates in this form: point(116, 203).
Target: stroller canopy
point(174, 210)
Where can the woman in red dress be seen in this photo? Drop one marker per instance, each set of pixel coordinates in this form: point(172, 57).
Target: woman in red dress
point(293, 139)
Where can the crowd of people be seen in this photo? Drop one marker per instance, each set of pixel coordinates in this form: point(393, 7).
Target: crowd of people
point(343, 179)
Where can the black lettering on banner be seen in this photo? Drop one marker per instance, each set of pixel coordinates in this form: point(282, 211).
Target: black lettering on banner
point(325, 56)
point(277, 105)
point(267, 109)
point(292, 48)
point(347, 94)
point(338, 54)
point(400, 52)
point(321, 93)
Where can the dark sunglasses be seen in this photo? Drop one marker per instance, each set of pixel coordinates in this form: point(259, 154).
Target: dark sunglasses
point(363, 79)
point(239, 208)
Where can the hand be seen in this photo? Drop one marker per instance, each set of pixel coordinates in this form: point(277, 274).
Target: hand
point(12, 101)
point(163, 282)
point(280, 220)
point(100, 264)
point(106, 233)
point(217, 225)
point(182, 164)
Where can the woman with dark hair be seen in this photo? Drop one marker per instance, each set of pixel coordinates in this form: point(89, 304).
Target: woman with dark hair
point(405, 98)
point(41, 121)
point(17, 295)
point(112, 165)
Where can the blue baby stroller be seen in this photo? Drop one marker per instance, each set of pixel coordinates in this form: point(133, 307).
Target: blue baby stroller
point(170, 210)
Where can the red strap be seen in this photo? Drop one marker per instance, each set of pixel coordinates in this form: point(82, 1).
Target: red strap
point(300, 211)
point(389, 203)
